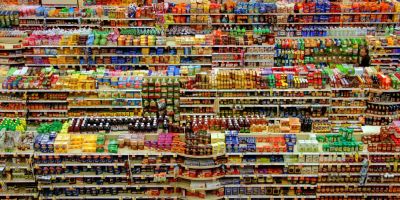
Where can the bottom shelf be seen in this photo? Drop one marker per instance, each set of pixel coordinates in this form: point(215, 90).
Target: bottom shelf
point(121, 197)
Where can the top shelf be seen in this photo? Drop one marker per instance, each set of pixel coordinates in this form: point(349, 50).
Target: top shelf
point(149, 46)
point(284, 14)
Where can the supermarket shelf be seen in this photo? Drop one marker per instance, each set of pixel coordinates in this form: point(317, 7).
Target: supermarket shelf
point(12, 63)
point(130, 27)
point(256, 90)
point(272, 185)
point(41, 25)
point(188, 187)
point(6, 194)
point(14, 166)
point(55, 55)
point(31, 17)
point(74, 91)
point(270, 196)
point(122, 55)
point(186, 24)
point(389, 116)
point(47, 118)
point(84, 175)
point(119, 197)
point(339, 164)
point(304, 105)
point(39, 111)
point(344, 121)
point(385, 64)
point(198, 114)
point(272, 153)
point(58, 185)
point(358, 194)
point(229, 53)
point(123, 19)
point(47, 101)
point(259, 53)
point(154, 165)
point(12, 56)
point(227, 61)
point(149, 46)
point(12, 101)
point(248, 106)
point(384, 54)
point(394, 46)
point(345, 114)
point(197, 106)
point(383, 90)
point(336, 174)
point(99, 106)
point(21, 180)
point(201, 179)
point(62, 25)
point(256, 61)
point(384, 103)
point(349, 107)
point(199, 167)
point(207, 197)
point(318, 37)
point(12, 111)
point(71, 164)
point(272, 164)
point(349, 98)
point(270, 175)
point(150, 176)
point(272, 98)
point(197, 98)
point(282, 14)
point(347, 89)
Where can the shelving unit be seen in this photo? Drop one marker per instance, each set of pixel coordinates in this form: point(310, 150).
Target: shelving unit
point(216, 66)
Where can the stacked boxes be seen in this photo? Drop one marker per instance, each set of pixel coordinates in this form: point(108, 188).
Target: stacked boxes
point(218, 143)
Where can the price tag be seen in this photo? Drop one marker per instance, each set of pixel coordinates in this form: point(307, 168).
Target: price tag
point(97, 188)
point(89, 166)
point(395, 164)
